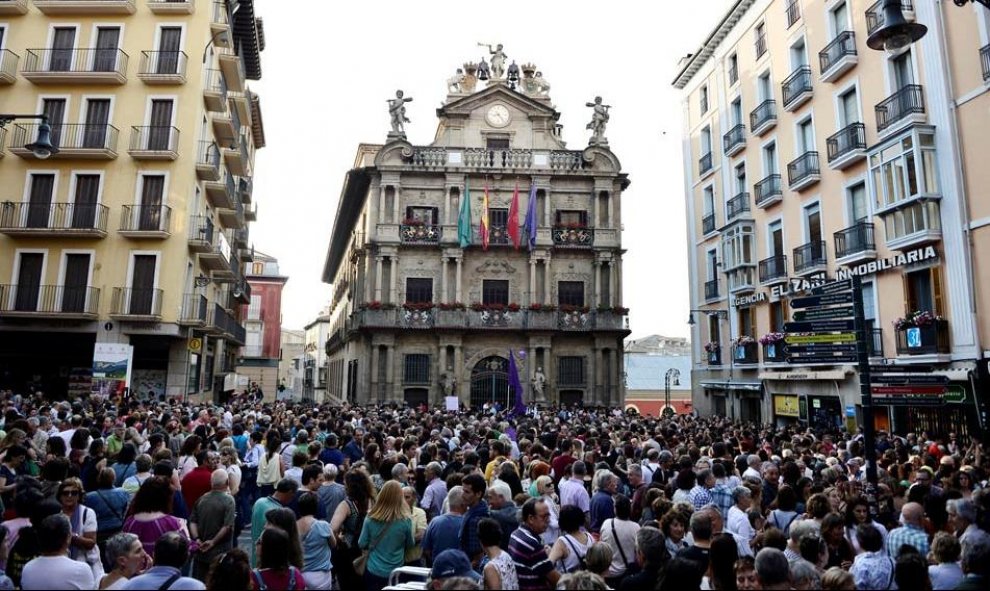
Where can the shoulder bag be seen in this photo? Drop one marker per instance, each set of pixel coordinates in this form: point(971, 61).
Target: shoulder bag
point(361, 562)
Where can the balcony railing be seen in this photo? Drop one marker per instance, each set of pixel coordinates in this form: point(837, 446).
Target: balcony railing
point(63, 219)
point(201, 233)
point(797, 86)
point(810, 256)
point(714, 357)
point(843, 46)
point(79, 140)
point(8, 66)
point(846, 141)
point(163, 67)
point(734, 138)
point(767, 189)
point(504, 319)
point(874, 14)
point(194, 309)
point(793, 12)
point(803, 170)
point(137, 303)
point(172, 6)
point(854, 240)
point(737, 206)
point(985, 61)
point(208, 161)
point(215, 91)
point(67, 7)
point(570, 236)
point(931, 339)
point(907, 101)
point(105, 66)
point(760, 45)
point(146, 219)
point(711, 290)
point(763, 116)
point(420, 234)
point(154, 143)
point(774, 353)
point(708, 224)
point(747, 354)
point(49, 300)
point(705, 163)
point(773, 268)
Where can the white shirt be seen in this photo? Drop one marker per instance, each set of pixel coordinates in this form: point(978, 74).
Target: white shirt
point(56, 572)
point(750, 472)
point(737, 522)
point(625, 537)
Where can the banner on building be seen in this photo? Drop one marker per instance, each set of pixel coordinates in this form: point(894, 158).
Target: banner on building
point(112, 364)
point(786, 406)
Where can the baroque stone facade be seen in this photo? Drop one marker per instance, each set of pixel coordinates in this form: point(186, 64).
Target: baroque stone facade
point(419, 312)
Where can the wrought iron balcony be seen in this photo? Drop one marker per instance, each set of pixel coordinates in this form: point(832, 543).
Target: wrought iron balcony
point(163, 67)
point(874, 14)
point(705, 164)
point(236, 157)
point(8, 66)
point(75, 66)
point(810, 257)
point(711, 290)
point(226, 126)
point(86, 141)
point(763, 117)
point(708, 223)
point(220, 24)
point(908, 102)
point(208, 161)
point(734, 140)
point(136, 304)
point(13, 7)
point(797, 88)
point(154, 143)
point(232, 217)
point(773, 269)
point(760, 45)
point(202, 234)
point(737, 206)
point(768, 191)
point(215, 91)
point(172, 6)
point(64, 220)
point(838, 57)
point(931, 339)
point(746, 354)
point(803, 171)
point(847, 146)
point(146, 221)
point(420, 234)
point(221, 193)
point(985, 61)
point(793, 12)
point(572, 237)
point(50, 301)
point(67, 7)
point(194, 310)
point(855, 243)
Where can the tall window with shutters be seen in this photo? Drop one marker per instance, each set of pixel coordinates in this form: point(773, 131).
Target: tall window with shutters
point(570, 371)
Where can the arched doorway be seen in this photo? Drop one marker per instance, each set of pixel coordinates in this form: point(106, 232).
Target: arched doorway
point(490, 382)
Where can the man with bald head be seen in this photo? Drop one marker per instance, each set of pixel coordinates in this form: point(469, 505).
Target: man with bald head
point(912, 533)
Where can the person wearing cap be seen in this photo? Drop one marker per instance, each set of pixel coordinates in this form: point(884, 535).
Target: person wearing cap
point(451, 564)
point(285, 493)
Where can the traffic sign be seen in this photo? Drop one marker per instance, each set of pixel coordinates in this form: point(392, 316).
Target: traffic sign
point(847, 349)
point(910, 379)
point(901, 369)
point(955, 395)
point(823, 314)
point(908, 390)
point(833, 299)
point(926, 401)
point(846, 337)
point(823, 359)
point(835, 287)
point(820, 326)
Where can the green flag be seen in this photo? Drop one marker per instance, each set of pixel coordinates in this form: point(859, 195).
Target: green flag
point(464, 219)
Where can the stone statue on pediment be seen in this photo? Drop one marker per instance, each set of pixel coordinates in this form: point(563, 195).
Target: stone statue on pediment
point(455, 82)
point(397, 111)
point(599, 119)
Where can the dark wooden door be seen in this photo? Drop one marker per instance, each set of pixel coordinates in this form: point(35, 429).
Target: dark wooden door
point(142, 297)
point(160, 132)
point(151, 202)
point(63, 41)
point(76, 283)
point(97, 120)
point(85, 206)
point(54, 109)
point(40, 204)
point(168, 50)
point(29, 281)
point(107, 42)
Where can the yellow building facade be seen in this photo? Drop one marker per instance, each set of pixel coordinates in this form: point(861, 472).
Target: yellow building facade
point(809, 157)
point(136, 230)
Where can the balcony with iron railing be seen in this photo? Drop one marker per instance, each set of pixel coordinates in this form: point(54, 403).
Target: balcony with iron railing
point(220, 25)
point(232, 65)
point(763, 118)
point(455, 158)
point(490, 318)
point(810, 258)
point(208, 161)
point(803, 171)
point(760, 45)
point(83, 141)
point(711, 290)
point(80, 7)
point(734, 140)
point(194, 310)
point(875, 18)
point(66, 302)
point(985, 61)
point(146, 221)
point(905, 106)
point(797, 88)
point(154, 143)
point(222, 192)
point(846, 146)
point(172, 6)
point(137, 304)
point(226, 126)
point(8, 66)
point(737, 207)
point(705, 164)
point(232, 217)
point(572, 236)
point(793, 12)
point(929, 339)
point(163, 67)
point(215, 91)
point(202, 233)
point(838, 57)
point(420, 234)
point(773, 269)
point(62, 220)
point(708, 223)
point(245, 189)
point(746, 353)
point(855, 244)
point(773, 352)
point(768, 191)
point(75, 66)
point(13, 7)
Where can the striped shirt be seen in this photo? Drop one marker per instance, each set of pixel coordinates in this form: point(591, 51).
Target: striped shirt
point(531, 560)
point(908, 535)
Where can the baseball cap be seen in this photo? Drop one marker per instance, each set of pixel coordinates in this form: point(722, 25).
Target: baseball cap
point(452, 563)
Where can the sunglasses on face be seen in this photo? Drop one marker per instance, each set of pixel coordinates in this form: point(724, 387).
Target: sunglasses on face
point(70, 493)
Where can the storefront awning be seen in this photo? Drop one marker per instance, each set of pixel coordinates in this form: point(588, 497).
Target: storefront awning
point(733, 385)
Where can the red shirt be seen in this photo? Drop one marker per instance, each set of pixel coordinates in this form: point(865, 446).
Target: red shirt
point(560, 463)
point(195, 485)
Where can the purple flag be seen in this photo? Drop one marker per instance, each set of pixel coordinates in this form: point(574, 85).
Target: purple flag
point(530, 224)
point(518, 406)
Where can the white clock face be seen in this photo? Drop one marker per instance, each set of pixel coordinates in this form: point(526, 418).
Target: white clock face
point(498, 116)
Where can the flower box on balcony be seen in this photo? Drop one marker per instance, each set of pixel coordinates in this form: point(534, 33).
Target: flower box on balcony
point(542, 307)
point(922, 333)
point(451, 306)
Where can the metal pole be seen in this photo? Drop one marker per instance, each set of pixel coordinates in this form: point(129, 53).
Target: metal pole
point(863, 355)
point(666, 389)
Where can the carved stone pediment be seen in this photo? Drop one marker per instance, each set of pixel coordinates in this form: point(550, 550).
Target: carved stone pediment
point(463, 107)
point(493, 267)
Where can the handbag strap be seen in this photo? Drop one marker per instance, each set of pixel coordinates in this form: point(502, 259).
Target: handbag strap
point(618, 543)
point(168, 583)
point(381, 534)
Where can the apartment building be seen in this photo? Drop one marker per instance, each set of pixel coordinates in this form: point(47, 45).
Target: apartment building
point(261, 354)
point(136, 230)
point(421, 310)
point(809, 157)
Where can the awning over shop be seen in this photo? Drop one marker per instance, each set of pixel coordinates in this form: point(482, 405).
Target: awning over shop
point(733, 385)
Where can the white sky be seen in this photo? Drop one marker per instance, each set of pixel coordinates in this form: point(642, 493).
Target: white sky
point(329, 67)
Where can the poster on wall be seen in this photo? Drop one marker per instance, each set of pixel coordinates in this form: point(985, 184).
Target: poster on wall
point(149, 384)
point(111, 368)
point(786, 406)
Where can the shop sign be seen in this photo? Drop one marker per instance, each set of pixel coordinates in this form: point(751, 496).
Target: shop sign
point(918, 255)
point(803, 375)
point(786, 406)
point(954, 395)
point(744, 301)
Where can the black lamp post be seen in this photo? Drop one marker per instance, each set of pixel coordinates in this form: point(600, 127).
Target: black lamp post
point(42, 147)
point(671, 378)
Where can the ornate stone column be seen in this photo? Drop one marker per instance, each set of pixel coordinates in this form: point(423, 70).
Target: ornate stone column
point(546, 280)
point(392, 288)
point(457, 286)
point(378, 277)
point(597, 299)
point(443, 280)
point(531, 295)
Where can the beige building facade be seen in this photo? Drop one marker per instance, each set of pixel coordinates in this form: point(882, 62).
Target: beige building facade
point(136, 231)
point(416, 317)
point(809, 157)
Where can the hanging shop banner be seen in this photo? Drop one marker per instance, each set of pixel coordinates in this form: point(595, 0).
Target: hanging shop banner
point(786, 406)
point(111, 368)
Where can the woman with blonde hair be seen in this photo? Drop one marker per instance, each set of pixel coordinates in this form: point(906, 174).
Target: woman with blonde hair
point(545, 490)
point(386, 535)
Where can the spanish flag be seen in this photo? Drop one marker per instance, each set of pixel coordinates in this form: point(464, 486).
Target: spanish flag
point(483, 225)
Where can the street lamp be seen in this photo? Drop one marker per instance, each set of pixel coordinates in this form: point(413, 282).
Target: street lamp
point(722, 315)
point(896, 32)
point(672, 377)
point(42, 147)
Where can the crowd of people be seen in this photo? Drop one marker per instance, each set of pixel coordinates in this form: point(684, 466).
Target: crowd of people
point(156, 495)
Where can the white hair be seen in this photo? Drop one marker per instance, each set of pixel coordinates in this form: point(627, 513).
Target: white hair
point(501, 489)
point(330, 471)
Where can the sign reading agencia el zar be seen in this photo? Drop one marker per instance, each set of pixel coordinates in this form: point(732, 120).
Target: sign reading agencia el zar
point(795, 286)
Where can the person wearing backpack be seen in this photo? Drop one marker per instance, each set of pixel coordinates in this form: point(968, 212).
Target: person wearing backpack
point(786, 512)
point(171, 554)
point(619, 534)
point(569, 550)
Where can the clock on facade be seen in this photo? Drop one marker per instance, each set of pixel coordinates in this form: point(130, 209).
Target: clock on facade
point(497, 116)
